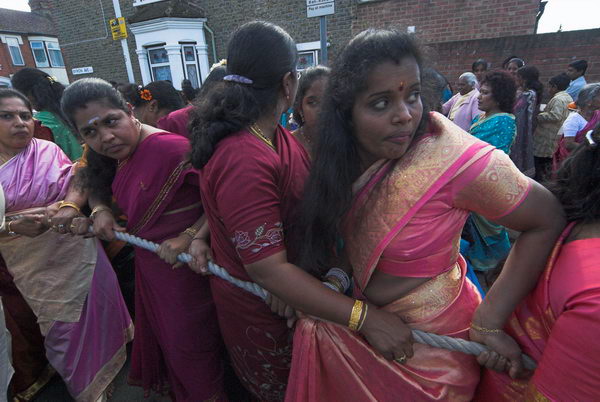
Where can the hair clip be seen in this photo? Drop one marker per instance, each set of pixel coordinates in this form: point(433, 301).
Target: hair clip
point(51, 78)
point(591, 141)
point(238, 78)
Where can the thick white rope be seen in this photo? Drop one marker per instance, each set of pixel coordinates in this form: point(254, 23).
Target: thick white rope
point(437, 341)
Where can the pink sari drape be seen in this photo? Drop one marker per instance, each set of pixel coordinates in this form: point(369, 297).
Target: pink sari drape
point(177, 345)
point(67, 281)
point(329, 360)
point(562, 153)
point(558, 326)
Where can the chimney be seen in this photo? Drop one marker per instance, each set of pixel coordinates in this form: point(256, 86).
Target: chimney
point(41, 7)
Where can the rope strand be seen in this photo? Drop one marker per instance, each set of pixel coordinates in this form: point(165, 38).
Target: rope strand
point(426, 338)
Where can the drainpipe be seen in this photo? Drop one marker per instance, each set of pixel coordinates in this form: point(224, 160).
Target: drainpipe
point(124, 44)
point(212, 40)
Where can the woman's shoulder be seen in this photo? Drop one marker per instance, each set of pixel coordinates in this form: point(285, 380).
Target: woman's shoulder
point(165, 144)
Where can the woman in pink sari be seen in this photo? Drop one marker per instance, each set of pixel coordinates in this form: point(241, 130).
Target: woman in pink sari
point(177, 347)
point(67, 281)
point(559, 322)
point(409, 181)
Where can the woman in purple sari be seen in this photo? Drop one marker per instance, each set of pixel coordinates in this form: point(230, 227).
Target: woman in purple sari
point(177, 348)
point(68, 282)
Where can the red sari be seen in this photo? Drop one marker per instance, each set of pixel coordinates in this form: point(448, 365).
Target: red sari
point(177, 340)
point(249, 192)
point(557, 325)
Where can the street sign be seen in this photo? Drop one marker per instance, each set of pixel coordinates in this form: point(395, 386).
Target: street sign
point(118, 28)
point(82, 70)
point(319, 8)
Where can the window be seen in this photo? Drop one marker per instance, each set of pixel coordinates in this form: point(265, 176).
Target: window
point(191, 64)
point(159, 64)
point(15, 51)
point(56, 59)
point(39, 54)
point(307, 59)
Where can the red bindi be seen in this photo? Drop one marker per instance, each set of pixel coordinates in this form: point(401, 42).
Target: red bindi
point(401, 87)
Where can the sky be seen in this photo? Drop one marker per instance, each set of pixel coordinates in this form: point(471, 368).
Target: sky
point(571, 14)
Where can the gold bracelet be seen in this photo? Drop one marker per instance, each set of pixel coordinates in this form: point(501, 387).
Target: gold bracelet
point(355, 315)
point(97, 209)
point(364, 317)
point(190, 232)
point(65, 204)
point(485, 330)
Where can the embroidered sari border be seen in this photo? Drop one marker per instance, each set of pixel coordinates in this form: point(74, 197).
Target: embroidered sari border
point(167, 187)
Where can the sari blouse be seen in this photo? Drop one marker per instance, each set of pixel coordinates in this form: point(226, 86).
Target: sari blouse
point(250, 192)
point(492, 186)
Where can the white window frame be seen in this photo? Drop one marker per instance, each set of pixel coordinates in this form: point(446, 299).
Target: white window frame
point(137, 3)
point(313, 48)
point(193, 63)
point(8, 45)
point(164, 64)
point(48, 49)
point(43, 49)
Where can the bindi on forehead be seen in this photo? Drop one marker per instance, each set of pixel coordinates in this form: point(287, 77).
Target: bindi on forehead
point(401, 86)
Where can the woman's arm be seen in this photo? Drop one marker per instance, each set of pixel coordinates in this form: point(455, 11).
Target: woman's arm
point(386, 332)
point(540, 219)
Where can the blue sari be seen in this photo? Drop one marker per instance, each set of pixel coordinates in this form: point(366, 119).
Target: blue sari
point(489, 242)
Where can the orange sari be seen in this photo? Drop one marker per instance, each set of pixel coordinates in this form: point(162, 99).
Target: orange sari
point(389, 228)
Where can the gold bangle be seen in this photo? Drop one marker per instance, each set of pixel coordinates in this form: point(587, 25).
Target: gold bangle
point(485, 330)
point(355, 315)
point(65, 204)
point(364, 317)
point(190, 232)
point(98, 209)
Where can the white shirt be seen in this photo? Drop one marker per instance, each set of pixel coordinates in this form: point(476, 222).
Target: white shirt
point(572, 125)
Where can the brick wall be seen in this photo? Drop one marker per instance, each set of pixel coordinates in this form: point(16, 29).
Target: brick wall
point(85, 37)
point(450, 20)
point(550, 53)
point(223, 19)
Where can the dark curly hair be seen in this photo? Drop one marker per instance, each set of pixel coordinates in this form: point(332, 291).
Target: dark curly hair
point(577, 182)
point(504, 89)
point(228, 107)
point(309, 76)
point(99, 173)
point(328, 192)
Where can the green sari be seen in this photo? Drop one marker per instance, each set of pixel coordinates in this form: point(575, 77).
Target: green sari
point(63, 136)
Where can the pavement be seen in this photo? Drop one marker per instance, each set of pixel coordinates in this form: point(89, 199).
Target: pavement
point(56, 391)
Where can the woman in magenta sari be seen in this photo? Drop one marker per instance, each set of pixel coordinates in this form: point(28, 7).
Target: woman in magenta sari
point(252, 175)
point(587, 116)
point(559, 322)
point(67, 281)
point(177, 345)
point(409, 181)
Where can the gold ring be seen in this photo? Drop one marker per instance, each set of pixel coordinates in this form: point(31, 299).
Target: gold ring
point(401, 359)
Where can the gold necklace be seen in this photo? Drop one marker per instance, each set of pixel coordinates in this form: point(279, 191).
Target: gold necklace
point(254, 129)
